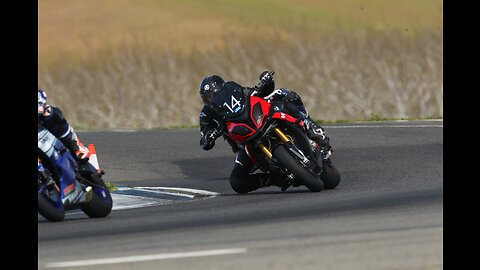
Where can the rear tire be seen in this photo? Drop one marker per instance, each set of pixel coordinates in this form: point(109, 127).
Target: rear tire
point(287, 161)
point(330, 175)
point(48, 210)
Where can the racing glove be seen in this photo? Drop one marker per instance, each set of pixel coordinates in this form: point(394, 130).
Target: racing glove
point(76, 147)
point(266, 76)
point(207, 141)
point(266, 84)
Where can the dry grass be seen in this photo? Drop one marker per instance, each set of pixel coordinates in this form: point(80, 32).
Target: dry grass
point(73, 28)
point(343, 76)
point(138, 63)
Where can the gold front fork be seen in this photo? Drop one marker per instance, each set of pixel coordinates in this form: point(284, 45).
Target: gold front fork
point(282, 137)
point(265, 150)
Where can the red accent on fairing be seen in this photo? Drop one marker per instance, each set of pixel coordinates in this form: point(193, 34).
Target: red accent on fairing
point(235, 136)
point(287, 117)
point(265, 108)
point(68, 189)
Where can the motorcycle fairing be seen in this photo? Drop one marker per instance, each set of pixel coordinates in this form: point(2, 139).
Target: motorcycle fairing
point(230, 102)
point(242, 131)
point(260, 110)
point(239, 131)
point(286, 117)
point(63, 161)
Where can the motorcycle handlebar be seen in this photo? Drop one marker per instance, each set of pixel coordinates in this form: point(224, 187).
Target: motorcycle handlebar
point(265, 77)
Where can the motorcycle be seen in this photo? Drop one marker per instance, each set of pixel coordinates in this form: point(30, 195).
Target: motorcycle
point(274, 137)
point(63, 185)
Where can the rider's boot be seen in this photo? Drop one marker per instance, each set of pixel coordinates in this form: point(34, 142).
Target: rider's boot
point(275, 179)
point(316, 133)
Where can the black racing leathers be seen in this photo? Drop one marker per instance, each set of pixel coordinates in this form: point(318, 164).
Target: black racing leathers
point(210, 125)
point(54, 121)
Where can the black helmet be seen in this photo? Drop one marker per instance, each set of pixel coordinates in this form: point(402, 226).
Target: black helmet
point(208, 87)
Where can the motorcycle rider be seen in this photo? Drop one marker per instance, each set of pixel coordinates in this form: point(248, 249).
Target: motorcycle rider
point(242, 180)
point(53, 120)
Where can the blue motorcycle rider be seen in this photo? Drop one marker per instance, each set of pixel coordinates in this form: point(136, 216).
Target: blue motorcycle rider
point(52, 122)
point(242, 180)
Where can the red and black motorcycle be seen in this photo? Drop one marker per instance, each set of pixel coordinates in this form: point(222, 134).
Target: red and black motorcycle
point(275, 139)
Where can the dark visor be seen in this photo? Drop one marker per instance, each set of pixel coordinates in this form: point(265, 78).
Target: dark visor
point(208, 98)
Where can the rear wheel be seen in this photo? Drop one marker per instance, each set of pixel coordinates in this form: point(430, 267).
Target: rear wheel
point(330, 175)
point(300, 173)
point(50, 206)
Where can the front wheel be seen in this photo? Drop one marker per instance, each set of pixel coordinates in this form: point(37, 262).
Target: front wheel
point(286, 160)
point(101, 203)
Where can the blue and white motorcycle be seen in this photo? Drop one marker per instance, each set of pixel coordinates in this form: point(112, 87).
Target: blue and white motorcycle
point(63, 185)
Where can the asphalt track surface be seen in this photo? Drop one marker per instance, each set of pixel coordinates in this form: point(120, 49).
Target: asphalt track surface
point(387, 212)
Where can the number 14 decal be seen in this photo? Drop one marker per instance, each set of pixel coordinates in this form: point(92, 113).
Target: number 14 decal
point(235, 105)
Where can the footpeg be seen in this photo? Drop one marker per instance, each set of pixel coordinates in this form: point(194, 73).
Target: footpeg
point(88, 195)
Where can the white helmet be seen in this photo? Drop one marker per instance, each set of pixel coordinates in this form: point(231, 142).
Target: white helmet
point(42, 100)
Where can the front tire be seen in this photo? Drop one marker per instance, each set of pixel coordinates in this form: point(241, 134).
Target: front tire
point(287, 161)
point(101, 203)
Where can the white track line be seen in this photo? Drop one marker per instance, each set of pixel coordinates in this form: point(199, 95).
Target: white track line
point(386, 126)
point(349, 126)
point(180, 191)
point(140, 258)
point(123, 201)
point(131, 201)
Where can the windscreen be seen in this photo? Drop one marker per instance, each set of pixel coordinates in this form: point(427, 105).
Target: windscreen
point(230, 100)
